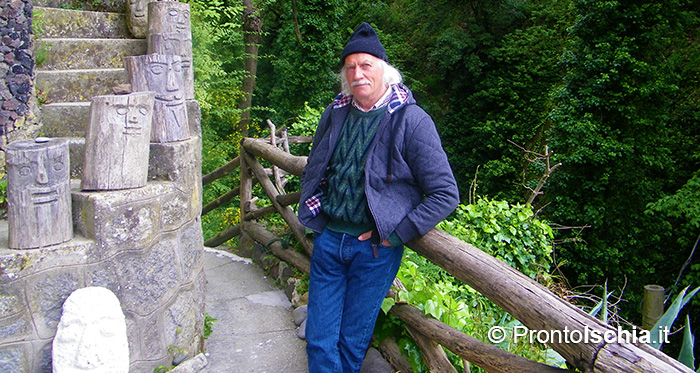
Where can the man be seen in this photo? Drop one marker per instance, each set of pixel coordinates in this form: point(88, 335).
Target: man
point(376, 178)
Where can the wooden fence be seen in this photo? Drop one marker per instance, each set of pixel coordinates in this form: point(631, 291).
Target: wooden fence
point(532, 304)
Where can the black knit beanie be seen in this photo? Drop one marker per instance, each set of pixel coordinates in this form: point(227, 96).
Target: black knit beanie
point(364, 40)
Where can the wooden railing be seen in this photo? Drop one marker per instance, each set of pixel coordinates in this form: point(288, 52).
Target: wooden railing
point(532, 304)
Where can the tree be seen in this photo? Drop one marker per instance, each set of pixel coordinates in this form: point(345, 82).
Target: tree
point(615, 137)
point(252, 26)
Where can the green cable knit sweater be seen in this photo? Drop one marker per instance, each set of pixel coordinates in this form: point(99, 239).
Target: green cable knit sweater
point(345, 201)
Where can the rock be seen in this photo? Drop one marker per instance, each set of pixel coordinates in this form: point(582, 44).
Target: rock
point(91, 335)
point(300, 314)
point(301, 332)
point(194, 365)
point(122, 89)
point(374, 363)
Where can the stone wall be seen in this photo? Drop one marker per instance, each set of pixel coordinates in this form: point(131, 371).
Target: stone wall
point(144, 244)
point(17, 100)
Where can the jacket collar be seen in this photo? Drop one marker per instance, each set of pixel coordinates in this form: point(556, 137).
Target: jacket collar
point(399, 96)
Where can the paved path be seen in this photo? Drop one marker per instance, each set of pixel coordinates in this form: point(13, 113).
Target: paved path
point(254, 331)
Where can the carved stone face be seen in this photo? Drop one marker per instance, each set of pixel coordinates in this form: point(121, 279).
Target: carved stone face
point(164, 76)
point(39, 172)
point(134, 116)
point(177, 44)
point(139, 9)
point(137, 17)
point(169, 16)
point(116, 143)
point(91, 335)
point(38, 193)
point(179, 18)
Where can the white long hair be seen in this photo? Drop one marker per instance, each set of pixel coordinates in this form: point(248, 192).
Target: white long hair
point(391, 76)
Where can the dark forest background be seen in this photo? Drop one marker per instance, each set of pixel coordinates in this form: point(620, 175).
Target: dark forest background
point(595, 102)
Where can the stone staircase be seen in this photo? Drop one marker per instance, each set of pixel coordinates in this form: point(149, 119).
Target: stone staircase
point(79, 55)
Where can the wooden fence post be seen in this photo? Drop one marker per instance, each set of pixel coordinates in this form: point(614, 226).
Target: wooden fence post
point(653, 306)
point(246, 195)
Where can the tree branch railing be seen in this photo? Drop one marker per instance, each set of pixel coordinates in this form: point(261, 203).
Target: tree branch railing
point(532, 304)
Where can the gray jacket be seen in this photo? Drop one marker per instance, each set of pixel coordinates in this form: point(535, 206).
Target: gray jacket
point(408, 182)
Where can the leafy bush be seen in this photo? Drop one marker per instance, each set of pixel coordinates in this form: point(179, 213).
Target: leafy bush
point(509, 232)
point(505, 231)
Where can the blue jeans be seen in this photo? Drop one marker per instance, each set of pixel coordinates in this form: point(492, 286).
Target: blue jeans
point(346, 288)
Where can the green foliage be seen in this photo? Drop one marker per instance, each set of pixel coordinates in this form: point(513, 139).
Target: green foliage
point(300, 68)
point(3, 192)
point(304, 125)
point(669, 317)
point(215, 153)
point(684, 204)
point(507, 232)
point(665, 323)
point(306, 122)
point(438, 294)
point(612, 87)
point(686, 357)
point(217, 41)
point(619, 152)
point(208, 322)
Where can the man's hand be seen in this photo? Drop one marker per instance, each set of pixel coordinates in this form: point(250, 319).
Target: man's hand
point(367, 235)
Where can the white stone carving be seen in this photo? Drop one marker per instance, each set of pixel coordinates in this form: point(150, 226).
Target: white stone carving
point(91, 335)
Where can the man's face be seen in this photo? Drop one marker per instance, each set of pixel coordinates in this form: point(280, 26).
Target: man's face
point(365, 77)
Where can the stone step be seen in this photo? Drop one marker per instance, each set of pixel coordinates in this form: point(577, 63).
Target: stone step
point(65, 119)
point(65, 23)
point(116, 6)
point(71, 53)
point(77, 85)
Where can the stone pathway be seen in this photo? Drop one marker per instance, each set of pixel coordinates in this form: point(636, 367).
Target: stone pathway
point(254, 331)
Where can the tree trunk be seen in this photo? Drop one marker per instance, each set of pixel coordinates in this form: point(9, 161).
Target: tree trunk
point(252, 25)
point(434, 356)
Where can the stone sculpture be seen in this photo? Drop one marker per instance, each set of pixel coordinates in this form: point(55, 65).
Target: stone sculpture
point(137, 17)
point(117, 142)
point(169, 16)
point(170, 32)
point(38, 193)
point(161, 74)
point(179, 44)
point(91, 335)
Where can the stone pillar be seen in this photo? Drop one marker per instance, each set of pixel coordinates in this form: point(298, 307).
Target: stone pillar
point(17, 101)
point(38, 193)
point(117, 142)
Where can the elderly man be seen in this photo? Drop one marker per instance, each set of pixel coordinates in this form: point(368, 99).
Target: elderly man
point(376, 177)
